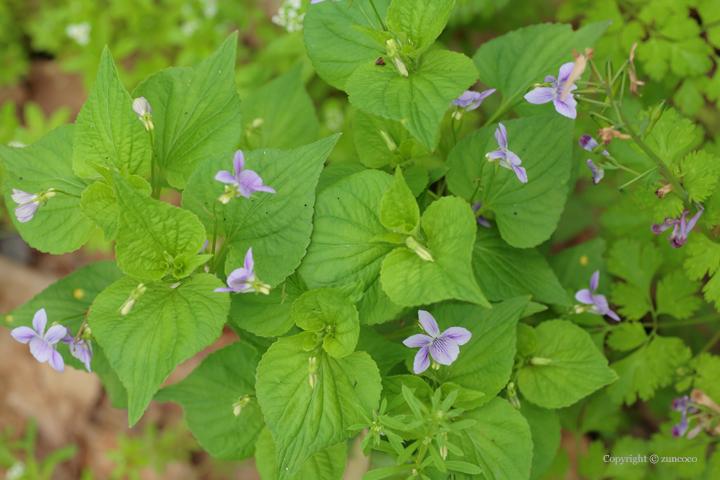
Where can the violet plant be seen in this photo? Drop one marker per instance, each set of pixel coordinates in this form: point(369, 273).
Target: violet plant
point(323, 272)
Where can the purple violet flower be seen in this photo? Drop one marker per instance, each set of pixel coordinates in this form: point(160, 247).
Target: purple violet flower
point(444, 347)
point(471, 100)
point(244, 280)
point(29, 203)
point(507, 158)
point(598, 172)
point(244, 182)
point(42, 343)
point(681, 226)
point(589, 143)
point(82, 349)
point(682, 405)
point(599, 302)
point(553, 93)
point(480, 219)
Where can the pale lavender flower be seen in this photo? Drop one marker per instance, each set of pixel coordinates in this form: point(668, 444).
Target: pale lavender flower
point(589, 143)
point(682, 405)
point(553, 93)
point(480, 219)
point(598, 172)
point(244, 279)
point(141, 107)
point(507, 158)
point(28, 203)
point(681, 226)
point(470, 100)
point(599, 302)
point(244, 182)
point(444, 347)
point(205, 244)
point(42, 343)
point(82, 349)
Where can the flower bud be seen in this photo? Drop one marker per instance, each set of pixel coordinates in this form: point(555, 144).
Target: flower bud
point(392, 146)
point(240, 405)
point(312, 370)
point(400, 66)
point(541, 361)
point(421, 251)
point(257, 123)
point(127, 306)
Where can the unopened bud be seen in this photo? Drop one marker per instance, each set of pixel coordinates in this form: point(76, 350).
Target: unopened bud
point(230, 193)
point(541, 361)
point(400, 66)
point(240, 405)
point(421, 251)
point(127, 306)
point(391, 145)
point(257, 123)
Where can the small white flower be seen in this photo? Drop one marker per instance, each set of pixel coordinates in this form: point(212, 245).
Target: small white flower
point(80, 32)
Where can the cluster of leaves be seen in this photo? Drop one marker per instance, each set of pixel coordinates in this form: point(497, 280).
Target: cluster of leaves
point(352, 250)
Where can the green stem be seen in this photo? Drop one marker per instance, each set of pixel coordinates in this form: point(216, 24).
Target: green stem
point(161, 175)
point(623, 167)
point(454, 134)
point(66, 193)
point(214, 240)
point(497, 115)
point(378, 15)
point(707, 319)
point(711, 342)
point(622, 187)
point(595, 102)
point(152, 160)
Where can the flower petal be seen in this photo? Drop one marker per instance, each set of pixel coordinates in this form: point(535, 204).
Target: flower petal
point(40, 321)
point(55, 334)
point(587, 142)
point(224, 289)
point(597, 173)
point(238, 162)
point(601, 303)
point(422, 360)
point(584, 296)
point(23, 334)
point(418, 340)
point(444, 351)
point(466, 99)
point(249, 262)
point(564, 108)
point(540, 95)
point(612, 315)
point(40, 349)
point(595, 281)
point(56, 361)
point(239, 275)
point(25, 213)
point(458, 335)
point(225, 177)
point(549, 79)
point(497, 154)
point(565, 71)
point(20, 197)
point(428, 323)
point(501, 136)
point(521, 173)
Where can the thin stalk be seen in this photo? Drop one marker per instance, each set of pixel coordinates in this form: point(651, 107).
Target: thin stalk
point(711, 342)
point(623, 167)
point(378, 15)
point(84, 322)
point(214, 240)
point(498, 114)
point(622, 187)
point(596, 102)
point(152, 160)
point(454, 134)
point(708, 319)
point(66, 193)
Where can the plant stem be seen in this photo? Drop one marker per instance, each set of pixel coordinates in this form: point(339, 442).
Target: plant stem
point(595, 102)
point(152, 160)
point(711, 342)
point(66, 193)
point(707, 319)
point(214, 240)
point(623, 167)
point(621, 187)
point(377, 15)
point(77, 337)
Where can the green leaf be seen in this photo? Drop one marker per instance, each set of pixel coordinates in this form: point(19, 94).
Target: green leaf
point(707, 371)
point(108, 133)
point(328, 464)
point(513, 62)
point(267, 315)
point(305, 420)
point(575, 370)
point(676, 296)
point(409, 280)
point(504, 272)
point(208, 396)
point(331, 311)
point(385, 353)
point(341, 251)
point(635, 262)
point(373, 148)
point(196, 111)
point(441, 78)
point(285, 112)
point(421, 20)
point(627, 336)
point(399, 211)
point(699, 172)
point(334, 47)
point(526, 340)
point(466, 399)
point(335, 172)
point(486, 361)
point(543, 143)
point(276, 226)
point(575, 265)
point(151, 233)
point(545, 430)
point(66, 301)
point(672, 136)
point(59, 226)
point(499, 443)
point(647, 369)
point(704, 257)
point(166, 327)
point(99, 205)
point(634, 303)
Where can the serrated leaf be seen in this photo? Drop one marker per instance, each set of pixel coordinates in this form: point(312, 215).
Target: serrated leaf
point(285, 112)
point(166, 327)
point(59, 226)
point(703, 256)
point(545, 430)
point(633, 303)
point(107, 131)
point(329, 310)
point(576, 368)
point(334, 47)
point(627, 336)
point(66, 301)
point(672, 136)
point(409, 280)
point(399, 212)
point(99, 205)
point(486, 361)
point(276, 226)
point(534, 52)
point(543, 143)
point(647, 369)
point(373, 149)
point(421, 20)
point(499, 443)
point(305, 420)
point(635, 262)
point(341, 251)
point(676, 296)
point(441, 78)
point(196, 112)
point(328, 464)
point(699, 172)
point(504, 272)
point(707, 371)
point(151, 232)
point(207, 396)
